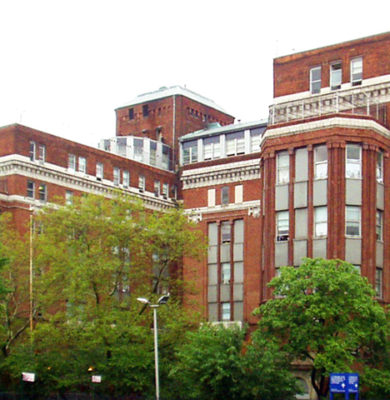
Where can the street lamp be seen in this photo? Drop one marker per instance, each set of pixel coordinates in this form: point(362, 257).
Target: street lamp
point(162, 300)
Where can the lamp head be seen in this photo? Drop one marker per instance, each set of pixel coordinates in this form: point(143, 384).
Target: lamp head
point(143, 300)
point(163, 299)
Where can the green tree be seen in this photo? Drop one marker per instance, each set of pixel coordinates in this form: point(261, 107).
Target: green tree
point(213, 364)
point(325, 313)
point(92, 260)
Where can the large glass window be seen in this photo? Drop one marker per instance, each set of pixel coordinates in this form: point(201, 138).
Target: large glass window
point(282, 226)
point(356, 71)
point(190, 152)
point(320, 221)
point(283, 167)
point(121, 146)
point(315, 80)
point(353, 164)
point(225, 311)
point(235, 143)
point(352, 221)
point(320, 162)
point(379, 225)
point(153, 151)
point(335, 75)
point(138, 150)
point(256, 139)
point(225, 232)
point(225, 273)
point(211, 148)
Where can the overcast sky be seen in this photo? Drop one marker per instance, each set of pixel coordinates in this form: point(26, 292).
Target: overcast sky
point(66, 65)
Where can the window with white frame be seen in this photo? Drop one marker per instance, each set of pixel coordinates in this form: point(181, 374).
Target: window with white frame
point(315, 80)
point(356, 71)
point(255, 136)
point(141, 183)
point(165, 190)
point(72, 162)
point(32, 151)
point(99, 171)
point(379, 167)
point(117, 176)
point(225, 232)
point(379, 225)
point(190, 152)
point(352, 221)
point(121, 146)
point(82, 165)
point(320, 221)
point(353, 164)
point(31, 189)
point(153, 153)
point(42, 192)
point(225, 273)
point(68, 197)
point(138, 150)
point(165, 156)
point(235, 143)
point(157, 188)
point(335, 75)
point(225, 311)
point(211, 197)
point(225, 195)
point(211, 148)
point(282, 226)
point(379, 282)
point(126, 178)
point(42, 153)
point(283, 167)
point(320, 162)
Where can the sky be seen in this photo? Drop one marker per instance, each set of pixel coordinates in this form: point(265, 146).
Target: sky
point(66, 65)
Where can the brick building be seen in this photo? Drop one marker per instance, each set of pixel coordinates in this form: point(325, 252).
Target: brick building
point(313, 180)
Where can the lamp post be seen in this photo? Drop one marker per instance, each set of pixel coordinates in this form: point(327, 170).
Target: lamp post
point(161, 300)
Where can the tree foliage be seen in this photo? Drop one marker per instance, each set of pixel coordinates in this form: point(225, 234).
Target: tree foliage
point(325, 313)
point(214, 364)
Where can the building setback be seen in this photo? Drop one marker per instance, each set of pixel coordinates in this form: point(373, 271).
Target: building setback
point(311, 181)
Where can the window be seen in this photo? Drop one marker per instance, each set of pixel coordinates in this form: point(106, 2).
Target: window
point(131, 113)
point(138, 150)
point(165, 190)
point(32, 151)
point(352, 221)
point(315, 80)
point(225, 195)
point(42, 192)
point(82, 165)
point(353, 165)
point(256, 139)
point(153, 150)
point(335, 75)
point(99, 171)
point(283, 167)
point(211, 148)
point(68, 197)
point(235, 143)
point(379, 225)
point(356, 71)
point(72, 162)
point(190, 152)
point(117, 176)
point(165, 157)
point(121, 146)
point(379, 167)
point(225, 232)
point(320, 221)
point(126, 179)
point(320, 162)
point(225, 273)
point(157, 188)
point(282, 226)
point(30, 189)
point(238, 194)
point(42, 153)
point(225, 311)
point(141, 183)
point(145, 110)
point(211, 198)
point(379, 282)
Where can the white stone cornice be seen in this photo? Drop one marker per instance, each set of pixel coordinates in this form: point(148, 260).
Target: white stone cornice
point(253, 208)
point(50, 173)
point(221, 174)
point(325, 123)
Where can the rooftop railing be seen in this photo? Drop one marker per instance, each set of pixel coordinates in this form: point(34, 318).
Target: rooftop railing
point(363, 100)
